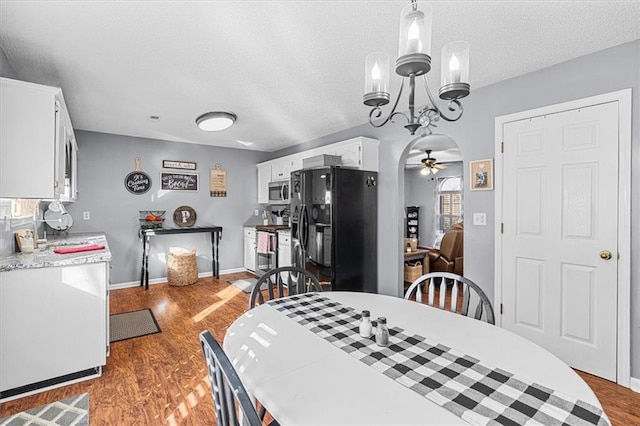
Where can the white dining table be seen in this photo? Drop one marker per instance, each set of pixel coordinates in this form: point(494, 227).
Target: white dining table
point(302, 379)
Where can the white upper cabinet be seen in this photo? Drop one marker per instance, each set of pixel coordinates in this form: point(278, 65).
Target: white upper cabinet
point(281, 168)
point(38, 149)
point(360, 153)
point(264, 177)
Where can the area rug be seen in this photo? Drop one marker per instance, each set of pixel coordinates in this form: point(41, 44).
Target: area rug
point(71, 411)
point(132, 324)
point(246, 284)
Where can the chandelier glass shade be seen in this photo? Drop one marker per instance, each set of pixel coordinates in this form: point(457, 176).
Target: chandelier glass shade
point(414, 60)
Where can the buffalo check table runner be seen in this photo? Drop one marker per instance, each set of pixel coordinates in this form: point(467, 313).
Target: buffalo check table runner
point(470, 389)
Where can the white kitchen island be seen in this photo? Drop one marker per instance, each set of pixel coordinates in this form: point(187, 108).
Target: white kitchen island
point(53, 316)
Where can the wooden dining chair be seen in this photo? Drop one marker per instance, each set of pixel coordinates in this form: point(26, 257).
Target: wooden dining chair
point(282, 282)
point(460, 288)
point(229, 395)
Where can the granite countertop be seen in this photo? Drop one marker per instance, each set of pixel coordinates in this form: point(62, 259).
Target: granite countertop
point(44, 257)
point(271, 227)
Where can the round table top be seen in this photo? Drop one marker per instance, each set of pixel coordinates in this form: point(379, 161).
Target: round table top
point(303, 379)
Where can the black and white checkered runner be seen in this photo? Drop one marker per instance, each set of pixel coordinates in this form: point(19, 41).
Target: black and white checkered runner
point(475, 392)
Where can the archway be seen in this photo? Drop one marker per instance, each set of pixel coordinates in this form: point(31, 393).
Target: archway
point(433, 177)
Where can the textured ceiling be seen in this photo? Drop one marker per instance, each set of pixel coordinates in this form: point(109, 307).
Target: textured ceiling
point(291, 70)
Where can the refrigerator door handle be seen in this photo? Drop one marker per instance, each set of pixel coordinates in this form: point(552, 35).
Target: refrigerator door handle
point(304, 231)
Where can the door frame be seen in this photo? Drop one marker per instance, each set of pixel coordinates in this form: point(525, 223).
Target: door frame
point(623, 98)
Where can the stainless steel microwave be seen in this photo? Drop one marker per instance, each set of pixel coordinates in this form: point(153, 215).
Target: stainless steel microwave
point(279, 192)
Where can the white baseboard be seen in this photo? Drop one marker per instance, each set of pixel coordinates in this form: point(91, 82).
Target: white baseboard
point(634, 384)
point(162, 280)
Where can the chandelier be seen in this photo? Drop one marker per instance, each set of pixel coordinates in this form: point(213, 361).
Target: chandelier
point(414, 60)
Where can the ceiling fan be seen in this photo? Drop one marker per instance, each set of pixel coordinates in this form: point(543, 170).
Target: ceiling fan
point(430, 165)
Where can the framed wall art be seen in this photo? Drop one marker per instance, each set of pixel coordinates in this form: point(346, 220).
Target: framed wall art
point(481, 175)
point(186, 165)
point(179, 181)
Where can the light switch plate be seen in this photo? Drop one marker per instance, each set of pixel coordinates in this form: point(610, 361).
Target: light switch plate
point(86, 216)
point(480, 219)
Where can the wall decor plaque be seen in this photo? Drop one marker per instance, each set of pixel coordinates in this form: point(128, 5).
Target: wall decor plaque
point(179, 181)
point(170, 164)
point(137, 182)
point(184, 216)
point(481, 175)
point(218, 182)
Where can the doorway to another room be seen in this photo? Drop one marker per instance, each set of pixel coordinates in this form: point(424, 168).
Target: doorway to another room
point(433, 208)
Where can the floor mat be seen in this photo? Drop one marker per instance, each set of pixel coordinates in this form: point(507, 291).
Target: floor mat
point(132, 324)
point(67, 412)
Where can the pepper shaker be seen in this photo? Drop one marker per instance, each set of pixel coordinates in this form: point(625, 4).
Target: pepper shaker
point(382, 332)
point(365, 324)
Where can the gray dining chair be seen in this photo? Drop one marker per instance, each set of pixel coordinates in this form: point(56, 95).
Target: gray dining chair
point(282, 282)
point(460, 287)
point(229, 395)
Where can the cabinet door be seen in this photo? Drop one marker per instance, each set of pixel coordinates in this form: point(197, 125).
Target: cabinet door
point(296, 162)
point(250, 249)
point(351, 154)
point(28, 118)
point(264, 177)
point(56, 309)
point(284, 249)
point(68, 166)
point(280, 170)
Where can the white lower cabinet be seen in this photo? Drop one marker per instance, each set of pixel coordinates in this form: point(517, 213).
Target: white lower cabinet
point(250, 249)
point(284, 248)
point(53, 324)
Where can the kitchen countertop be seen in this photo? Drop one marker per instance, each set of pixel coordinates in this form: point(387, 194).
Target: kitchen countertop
point(272, 227)
point(44, 257)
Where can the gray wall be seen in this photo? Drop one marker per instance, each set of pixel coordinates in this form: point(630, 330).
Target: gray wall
point(419, 190)
point(606, 71)
point(103, 162)
point(6, 70)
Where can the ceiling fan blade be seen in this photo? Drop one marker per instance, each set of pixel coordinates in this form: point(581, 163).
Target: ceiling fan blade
point(440, 166)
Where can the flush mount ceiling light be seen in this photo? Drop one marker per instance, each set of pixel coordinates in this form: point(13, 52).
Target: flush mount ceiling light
point(414, 60)
point(215, 121)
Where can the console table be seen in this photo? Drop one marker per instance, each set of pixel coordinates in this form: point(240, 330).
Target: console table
point(422, 255)
point(216, 235)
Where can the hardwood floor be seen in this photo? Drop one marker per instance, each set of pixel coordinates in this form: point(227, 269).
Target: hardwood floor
point(161, 379)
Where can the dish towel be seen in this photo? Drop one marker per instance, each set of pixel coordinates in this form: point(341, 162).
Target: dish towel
point(76, 249)
point(263, 242)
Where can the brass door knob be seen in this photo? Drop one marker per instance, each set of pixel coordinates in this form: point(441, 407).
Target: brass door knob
point(605, 254)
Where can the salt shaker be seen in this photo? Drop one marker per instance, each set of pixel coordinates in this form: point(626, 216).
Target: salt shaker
point(382, 332)
point(365, 324)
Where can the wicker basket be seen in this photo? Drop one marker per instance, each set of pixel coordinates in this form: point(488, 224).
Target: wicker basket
point(412, 271)
point(182, 268)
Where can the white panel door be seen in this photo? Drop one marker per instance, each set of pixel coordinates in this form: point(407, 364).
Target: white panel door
point(560, 212)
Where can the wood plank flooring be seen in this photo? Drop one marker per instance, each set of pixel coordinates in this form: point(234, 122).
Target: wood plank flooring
point(161, 379)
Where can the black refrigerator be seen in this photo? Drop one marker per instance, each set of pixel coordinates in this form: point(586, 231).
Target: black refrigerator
point(334, 226)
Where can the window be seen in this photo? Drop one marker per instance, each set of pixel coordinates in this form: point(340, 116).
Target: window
point(448, 203)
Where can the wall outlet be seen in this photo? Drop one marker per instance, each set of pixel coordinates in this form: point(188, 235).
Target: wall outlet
point(256, 212)
point(86, 215)
point(480, 219)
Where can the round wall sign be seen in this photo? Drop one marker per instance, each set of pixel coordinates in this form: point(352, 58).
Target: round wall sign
point(184, 216)
point(137, 182)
